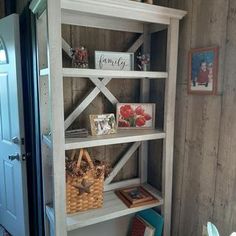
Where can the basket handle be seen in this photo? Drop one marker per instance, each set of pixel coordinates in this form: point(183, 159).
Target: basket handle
point(88, 159)
point(83, 153)
point(73, 154)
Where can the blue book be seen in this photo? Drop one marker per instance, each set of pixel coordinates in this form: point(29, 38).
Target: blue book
point(154, 219)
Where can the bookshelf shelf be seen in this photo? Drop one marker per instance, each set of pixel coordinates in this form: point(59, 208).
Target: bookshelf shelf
point(112, 208)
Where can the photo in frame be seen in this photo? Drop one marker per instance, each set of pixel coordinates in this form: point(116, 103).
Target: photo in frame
point(135, 115)
point(103, 124)
point(203, 71)
point(135, 196)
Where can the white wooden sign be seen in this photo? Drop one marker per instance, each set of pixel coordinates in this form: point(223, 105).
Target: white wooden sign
point(114, 60)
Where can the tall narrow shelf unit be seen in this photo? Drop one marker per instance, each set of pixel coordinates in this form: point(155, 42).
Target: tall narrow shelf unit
point(122, 15)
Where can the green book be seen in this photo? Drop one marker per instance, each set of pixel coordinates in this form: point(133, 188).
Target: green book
point(154, 219)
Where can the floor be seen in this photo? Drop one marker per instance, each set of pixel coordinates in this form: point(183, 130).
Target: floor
point(3, 232)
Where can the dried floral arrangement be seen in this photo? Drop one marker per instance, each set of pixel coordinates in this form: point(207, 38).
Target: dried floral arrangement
point(78, 168)
point(143, 61)
point(79, 57)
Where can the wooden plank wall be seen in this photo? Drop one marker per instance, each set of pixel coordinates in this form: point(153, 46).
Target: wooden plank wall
point(224, 212)
point(19, 6)
point(76, 89)
point(205, 164)
point(2, 12)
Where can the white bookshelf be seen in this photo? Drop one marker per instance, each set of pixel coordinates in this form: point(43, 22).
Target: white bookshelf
point(122, 15)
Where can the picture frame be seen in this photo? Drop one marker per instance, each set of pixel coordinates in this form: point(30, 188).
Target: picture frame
point(203, 71)
point(135, 115)
point(103, 124)
point(136, 196)
point(107, 60)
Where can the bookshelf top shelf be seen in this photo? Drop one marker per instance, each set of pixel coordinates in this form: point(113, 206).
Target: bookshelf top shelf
point(123, 9)
point(119, 9)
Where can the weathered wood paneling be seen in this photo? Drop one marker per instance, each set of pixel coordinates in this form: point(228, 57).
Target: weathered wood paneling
point(204, 169)
point(202, 127)
point(2, 12)
point(20, 5)
point(75, 89)
point(225, 201)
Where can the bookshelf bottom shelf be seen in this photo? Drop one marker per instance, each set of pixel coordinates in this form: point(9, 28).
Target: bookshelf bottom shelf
point(112, 208)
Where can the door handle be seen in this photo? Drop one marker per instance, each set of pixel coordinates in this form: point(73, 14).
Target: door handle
point(14, 157)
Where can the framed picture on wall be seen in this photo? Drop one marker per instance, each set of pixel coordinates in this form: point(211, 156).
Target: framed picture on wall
point(203, 71)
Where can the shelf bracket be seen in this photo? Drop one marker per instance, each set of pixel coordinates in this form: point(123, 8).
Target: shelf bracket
point(107, 93)
point(84, 104)
point(100, 85)
point(66, 47)
point(137, 44)
point(122, 162)
point(122, 184)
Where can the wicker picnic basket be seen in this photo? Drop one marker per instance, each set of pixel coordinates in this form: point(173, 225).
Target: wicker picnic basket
point(84, 182)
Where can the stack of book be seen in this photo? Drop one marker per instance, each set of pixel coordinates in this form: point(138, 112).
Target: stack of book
point(141, 227)
point(147, 223)
point(76, 133)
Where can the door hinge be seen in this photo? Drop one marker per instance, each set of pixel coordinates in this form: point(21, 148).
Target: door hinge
point(22, 141)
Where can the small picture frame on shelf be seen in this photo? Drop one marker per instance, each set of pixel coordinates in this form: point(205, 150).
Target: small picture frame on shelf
point(103, 124)
point(135, 196)
point(203, 70)
point(106, 60)
point(135, 115)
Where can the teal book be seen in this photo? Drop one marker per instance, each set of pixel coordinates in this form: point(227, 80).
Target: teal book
point(154, 219)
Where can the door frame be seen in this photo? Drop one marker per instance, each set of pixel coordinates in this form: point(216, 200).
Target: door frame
point(32, 121)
